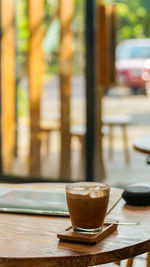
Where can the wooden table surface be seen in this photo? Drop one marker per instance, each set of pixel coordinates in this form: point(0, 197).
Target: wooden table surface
point(30, 240)
point(142, 144)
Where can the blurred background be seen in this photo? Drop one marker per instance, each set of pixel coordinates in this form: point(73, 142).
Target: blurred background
point(45, 78)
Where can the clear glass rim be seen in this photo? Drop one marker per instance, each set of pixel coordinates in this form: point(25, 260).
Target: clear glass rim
point(94, 185)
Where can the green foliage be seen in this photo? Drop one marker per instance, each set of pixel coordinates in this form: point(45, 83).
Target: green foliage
point(22, 45)
point(50, 44)
point(22, 104)
point(78, 29)
point(50, 8)
point(133, 19)
point(52, 36)
point(22, 31)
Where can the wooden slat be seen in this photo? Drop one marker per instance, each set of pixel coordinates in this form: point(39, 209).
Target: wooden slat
point(101, 44)
point(65, 65)
point(113, 38)
point(7, 82)
point(110, 44)
point(35, 72)
point(100, 82)
point(105, 74)
point(106, 29)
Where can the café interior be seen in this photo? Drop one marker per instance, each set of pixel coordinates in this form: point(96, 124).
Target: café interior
point(67, 118)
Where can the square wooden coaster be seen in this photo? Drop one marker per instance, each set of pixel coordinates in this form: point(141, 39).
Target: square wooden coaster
point(90, 238)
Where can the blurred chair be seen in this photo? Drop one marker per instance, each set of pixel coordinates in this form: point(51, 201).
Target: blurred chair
point(78, 131)
point(117, 121)
point(130, 261)
point(46, 129)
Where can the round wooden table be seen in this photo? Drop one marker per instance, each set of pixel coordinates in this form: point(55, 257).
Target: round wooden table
point(31, 240)
point(142, 144)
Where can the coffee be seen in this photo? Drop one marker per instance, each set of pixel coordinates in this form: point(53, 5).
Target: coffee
point(87, 204)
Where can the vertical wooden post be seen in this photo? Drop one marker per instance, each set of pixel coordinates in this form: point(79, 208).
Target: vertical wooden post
point(7, 82)
point(100, 83)
point(113, 44)
point(101, 45)
point(148, 259)
point(65, 68)
point(35, 71)
point(110, 44)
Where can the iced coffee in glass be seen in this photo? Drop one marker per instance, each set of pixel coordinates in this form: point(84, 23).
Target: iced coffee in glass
point(87, 205)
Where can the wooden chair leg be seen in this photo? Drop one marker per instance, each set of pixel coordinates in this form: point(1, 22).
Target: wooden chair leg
point(148, 260)
point(130, 262)
point(45, 142)
point(82, 155)
point(48, 137)
point(117, 263)
point(125, 141)
point(42, 143)
point(110, 136)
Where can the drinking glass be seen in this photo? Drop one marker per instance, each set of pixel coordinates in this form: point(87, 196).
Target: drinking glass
point(87, 205)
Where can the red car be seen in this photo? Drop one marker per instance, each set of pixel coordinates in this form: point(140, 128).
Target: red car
point(133, 63)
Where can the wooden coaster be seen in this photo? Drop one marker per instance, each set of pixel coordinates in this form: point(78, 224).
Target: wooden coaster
point(83, 237)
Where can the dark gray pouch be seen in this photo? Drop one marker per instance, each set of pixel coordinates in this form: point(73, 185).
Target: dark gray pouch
point(137, 194)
